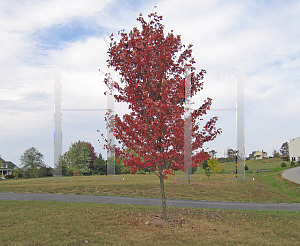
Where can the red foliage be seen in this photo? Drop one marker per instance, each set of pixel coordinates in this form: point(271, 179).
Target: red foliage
point(92, 151)
point(151, 65)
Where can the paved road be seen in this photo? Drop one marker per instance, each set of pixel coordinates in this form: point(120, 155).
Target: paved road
point(292, 174)
point(149, 201)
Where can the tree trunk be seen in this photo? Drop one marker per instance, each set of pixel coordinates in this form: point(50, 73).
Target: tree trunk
point(163, 195)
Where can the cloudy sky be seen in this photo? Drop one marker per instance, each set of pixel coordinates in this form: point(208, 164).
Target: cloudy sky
point(36, 36)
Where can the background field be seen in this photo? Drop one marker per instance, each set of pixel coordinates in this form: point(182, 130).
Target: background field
point(59, 223)
point(266, 186)
point(252, 165)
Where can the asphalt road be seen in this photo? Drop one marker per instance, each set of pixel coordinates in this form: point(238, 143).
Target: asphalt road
point(150, 201)
point(292, 174)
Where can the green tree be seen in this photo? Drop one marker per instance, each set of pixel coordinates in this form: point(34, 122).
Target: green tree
point(80, 157)
point(16, 173)
point(284, 150)
point(61, 167)
point(204, 164)
point(99, 166)
point(27, 174)
point(32, 158)
point(45, 171)
point(214, 165)
point(34, 173)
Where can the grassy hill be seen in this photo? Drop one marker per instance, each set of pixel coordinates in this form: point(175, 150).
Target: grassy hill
point(252, 165)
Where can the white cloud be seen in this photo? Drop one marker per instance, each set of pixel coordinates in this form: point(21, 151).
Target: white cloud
point(28, 16)
point(224, 34)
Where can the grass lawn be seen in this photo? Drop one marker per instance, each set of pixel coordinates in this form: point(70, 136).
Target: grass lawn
point(55, 223)
point(266, 186)
point(252, 165)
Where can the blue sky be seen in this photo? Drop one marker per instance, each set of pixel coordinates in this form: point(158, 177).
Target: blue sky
point(35, 36)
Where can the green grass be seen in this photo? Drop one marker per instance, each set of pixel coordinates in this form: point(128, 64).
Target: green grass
point(266, 186)
point(252, 165)
point(56, 223)
point(275, 181)
point(59, 223)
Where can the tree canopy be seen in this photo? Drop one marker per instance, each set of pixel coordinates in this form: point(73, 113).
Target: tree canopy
point(152, 67)
point(32, 158)
point(284, 150)
point(81, 156)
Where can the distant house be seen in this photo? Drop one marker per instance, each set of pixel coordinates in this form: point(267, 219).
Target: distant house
point(258, 155)
point(7, 167)
point(294, 149)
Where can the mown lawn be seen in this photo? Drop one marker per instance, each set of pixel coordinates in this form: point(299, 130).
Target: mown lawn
point(60, 223)
point(266, 186)
point(252, 165)
point(57, 223)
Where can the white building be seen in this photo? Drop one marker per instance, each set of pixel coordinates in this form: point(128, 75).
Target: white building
point(294, 149)
point(258, 155)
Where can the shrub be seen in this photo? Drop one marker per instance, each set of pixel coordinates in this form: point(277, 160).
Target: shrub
point(69, 172)
point(16, 173)
point(208, 172)
point(283, 164)
point(246, 167)
point(75, 173)
point(293, 164)
point(214, 165)
point(9, 176)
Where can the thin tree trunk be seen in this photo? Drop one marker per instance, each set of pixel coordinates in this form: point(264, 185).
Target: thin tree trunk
point(163, 195)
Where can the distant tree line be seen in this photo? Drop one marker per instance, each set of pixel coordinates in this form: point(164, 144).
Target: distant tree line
point(32, 166)
point(80, 159)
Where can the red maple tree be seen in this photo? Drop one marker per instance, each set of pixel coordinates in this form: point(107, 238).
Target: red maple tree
point(151, 65)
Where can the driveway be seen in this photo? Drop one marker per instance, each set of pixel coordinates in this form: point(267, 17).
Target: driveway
point(292, 174)
point(150, 201)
